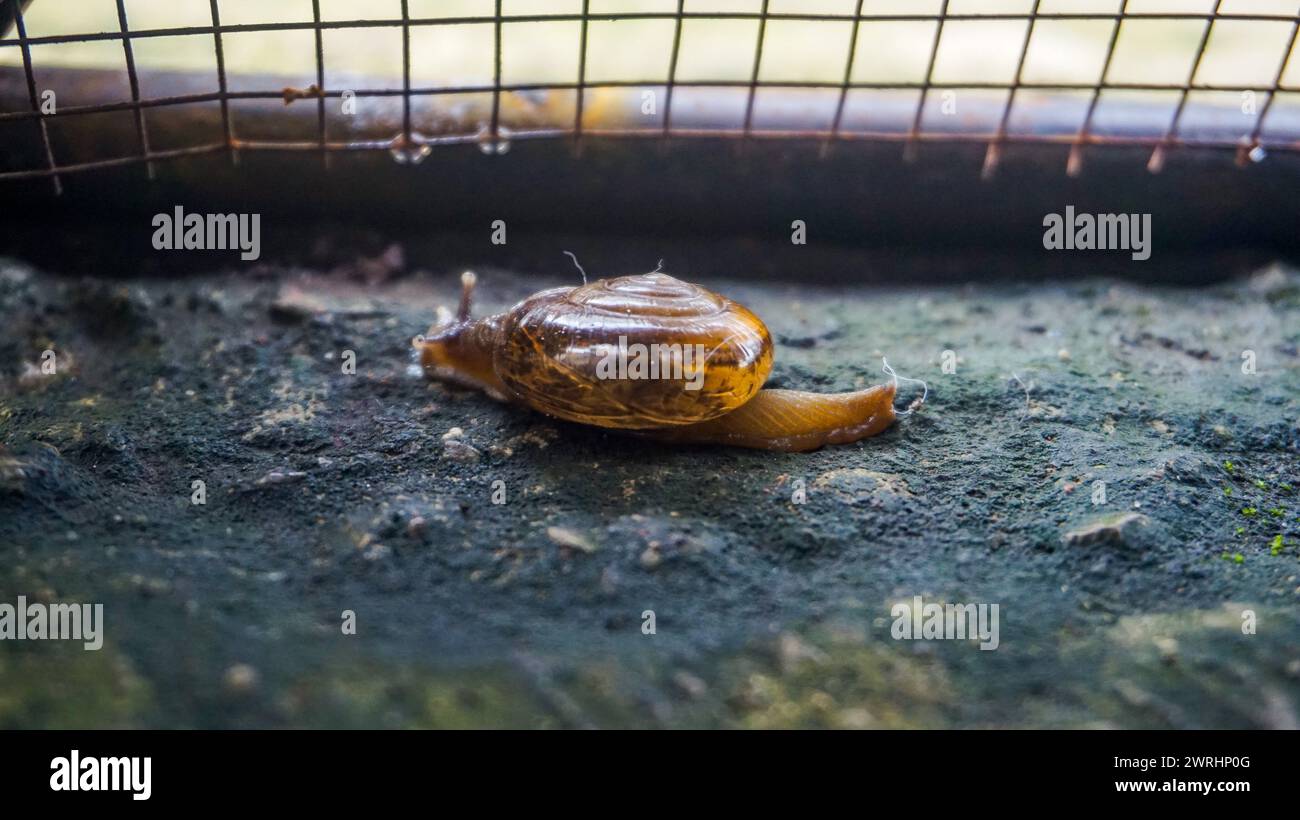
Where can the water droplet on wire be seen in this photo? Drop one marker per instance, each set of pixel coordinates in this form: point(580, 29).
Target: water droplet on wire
point(490, 146)
point(407, 151)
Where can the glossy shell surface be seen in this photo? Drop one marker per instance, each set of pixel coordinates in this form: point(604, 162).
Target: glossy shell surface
point(635, 352)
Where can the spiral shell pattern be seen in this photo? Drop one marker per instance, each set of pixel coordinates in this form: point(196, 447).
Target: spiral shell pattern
point(635, 352)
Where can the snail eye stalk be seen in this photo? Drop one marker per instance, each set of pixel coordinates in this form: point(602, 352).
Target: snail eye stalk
point(467, 282)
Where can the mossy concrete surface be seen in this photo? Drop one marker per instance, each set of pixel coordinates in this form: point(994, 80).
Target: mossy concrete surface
point(1169, 602)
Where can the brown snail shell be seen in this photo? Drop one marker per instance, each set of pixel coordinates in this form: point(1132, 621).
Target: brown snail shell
point(555, 343)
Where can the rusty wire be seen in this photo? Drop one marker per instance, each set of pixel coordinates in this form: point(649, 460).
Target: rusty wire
point(1160, 143)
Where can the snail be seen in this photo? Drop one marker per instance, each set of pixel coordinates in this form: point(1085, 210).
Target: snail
point(649, 354)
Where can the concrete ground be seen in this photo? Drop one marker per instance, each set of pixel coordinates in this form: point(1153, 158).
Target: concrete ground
point(1095, 461)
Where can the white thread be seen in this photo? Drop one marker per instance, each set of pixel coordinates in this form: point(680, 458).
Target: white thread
point(1026, 388)
point(579, 267)
point(658, 268)
point(925, 388)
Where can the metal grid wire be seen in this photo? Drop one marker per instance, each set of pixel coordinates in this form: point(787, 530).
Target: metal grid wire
point(409, 139)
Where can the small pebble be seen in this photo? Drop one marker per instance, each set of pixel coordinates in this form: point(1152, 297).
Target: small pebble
point(565, 537)
point(1108, 529)
point(459, 451)
point(240, 679)
point(690, 685)
point(1168, 648)
point(280, 477)
point(609, 580)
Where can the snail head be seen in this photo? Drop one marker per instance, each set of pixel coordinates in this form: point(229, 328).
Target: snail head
point(458, 348)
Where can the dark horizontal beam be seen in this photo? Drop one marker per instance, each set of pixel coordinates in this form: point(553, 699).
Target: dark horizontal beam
point(700, 182)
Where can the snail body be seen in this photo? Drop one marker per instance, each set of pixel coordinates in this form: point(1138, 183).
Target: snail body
point(650, 354)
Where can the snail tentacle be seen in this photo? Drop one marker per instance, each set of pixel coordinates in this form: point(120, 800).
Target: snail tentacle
point(467, 282)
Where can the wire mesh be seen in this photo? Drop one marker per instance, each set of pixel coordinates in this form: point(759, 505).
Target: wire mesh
point(410, 143)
